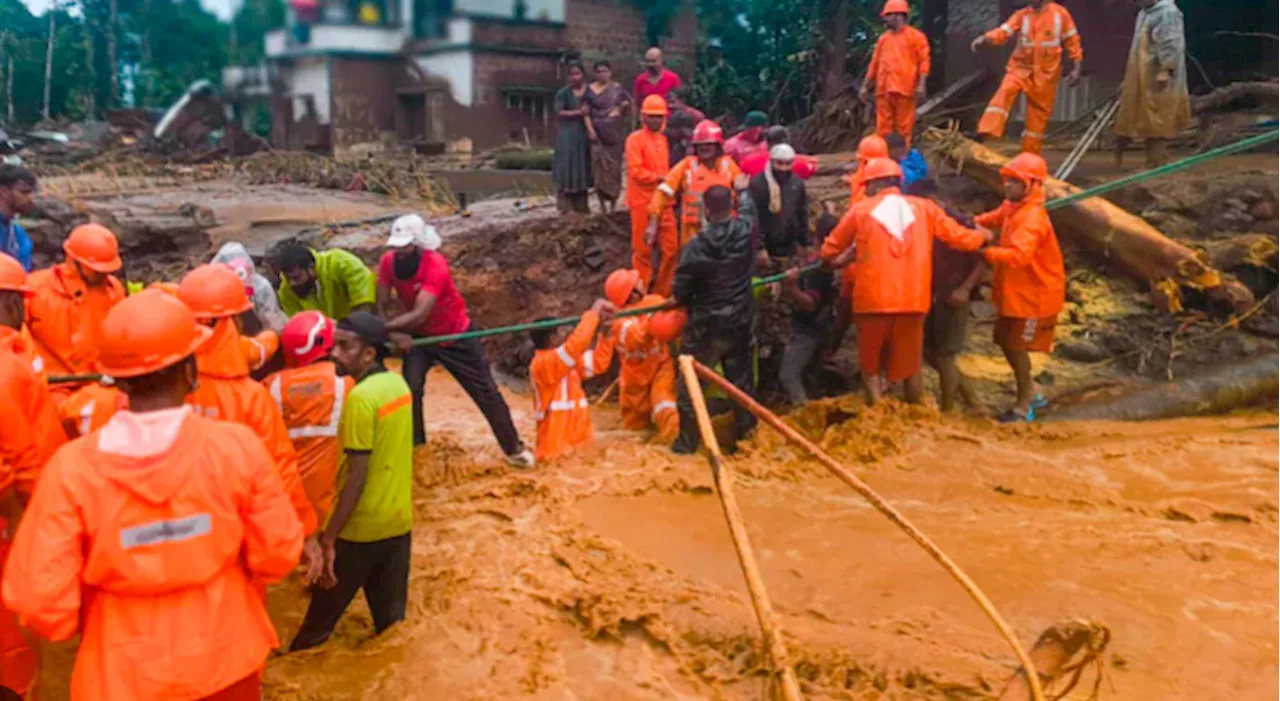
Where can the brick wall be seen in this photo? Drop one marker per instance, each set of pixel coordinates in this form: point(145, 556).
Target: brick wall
point(363, 100)
point(491, 122)
point(615, 30)
point(524, 35)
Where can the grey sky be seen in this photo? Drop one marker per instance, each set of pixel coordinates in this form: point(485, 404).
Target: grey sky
point(221, 8)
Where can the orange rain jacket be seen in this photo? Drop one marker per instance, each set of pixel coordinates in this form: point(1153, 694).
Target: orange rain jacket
point(690, 178)
point(30, 430)
point(65, 317)
point(158, 562)
point(647, 165)
point(227, 392)
point(899, 60)
point(894, 237)
point(310, 398)
point(18, 661)
point(1028, 278)
point(260, 348)
point(33, 353)
point(559, 404)
point(1034, 69)
point(90, 408)
point(646, 375)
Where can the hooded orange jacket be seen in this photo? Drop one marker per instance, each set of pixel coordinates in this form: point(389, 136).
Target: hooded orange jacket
point(156, 561)
point(898, 62)
point(559, 404)
point(65, 317)
point(646, 374)
point(30, 430)
point(310, 399)
point(894, 238)
point(227, 392)
point(1028, 277)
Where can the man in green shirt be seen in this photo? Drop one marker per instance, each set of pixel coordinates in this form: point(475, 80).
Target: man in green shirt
point(334, 282)
point(365, 544)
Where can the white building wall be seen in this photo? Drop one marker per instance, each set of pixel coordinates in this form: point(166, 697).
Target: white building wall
point(544, 10)
point(310, 77)
point(457, 67)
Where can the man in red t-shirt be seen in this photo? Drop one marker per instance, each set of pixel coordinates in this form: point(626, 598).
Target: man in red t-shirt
point(418, 298)
point(655, 79)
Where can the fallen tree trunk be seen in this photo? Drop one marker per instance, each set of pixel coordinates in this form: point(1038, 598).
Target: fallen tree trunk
point(1228, 94)
point(1099, 226)
point(1216, 391)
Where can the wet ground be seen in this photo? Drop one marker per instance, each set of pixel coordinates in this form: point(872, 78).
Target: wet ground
point(612, 574)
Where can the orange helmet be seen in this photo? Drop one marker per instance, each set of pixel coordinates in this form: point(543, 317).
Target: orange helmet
point(307, 337)
point(873, 146)
point(707, 132)
point(668, 324)
point(895, 7)
point(146, 333)
point(213, 291)
point(13, 277)
point(619, 286)
point(654, 105)
point(881, 169)
point(94, 247)
point(1027, 167)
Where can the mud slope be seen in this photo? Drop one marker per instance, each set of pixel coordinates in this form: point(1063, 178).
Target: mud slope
point(612, 575)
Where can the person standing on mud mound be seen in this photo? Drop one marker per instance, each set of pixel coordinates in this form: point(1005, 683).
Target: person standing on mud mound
point(154, 537)
point(1042, 29)
point(1154, 105)
point(893, 236)
point(366, 543)
point(1030, 281)
point(898, 71)
point(571, 161)
point(418, 298)
point(713, 281)
point(647, 160)
point(17, 189)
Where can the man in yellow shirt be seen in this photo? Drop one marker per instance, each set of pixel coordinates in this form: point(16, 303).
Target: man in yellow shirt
point(333, 282)
point(366, 541)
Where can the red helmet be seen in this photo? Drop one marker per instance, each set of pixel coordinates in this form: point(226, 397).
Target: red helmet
point(1027, 167)
point(667, 325)
point(708, 132)
point(307, 338)
point(619, 286)
point(881, 169)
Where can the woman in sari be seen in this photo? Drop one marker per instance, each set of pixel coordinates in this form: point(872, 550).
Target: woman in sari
point(571, 169)
point(609, 104)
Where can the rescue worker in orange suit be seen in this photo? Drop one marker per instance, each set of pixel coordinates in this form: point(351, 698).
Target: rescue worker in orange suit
point(898, 71)
point(647, 374)
point(557, 371)
point(870, 147)
point(225, 391)
point(690, 179)
point(1042, 29)
point(70, 300)
point(310, 394)
point(648, 160)
point(1029, 280)
point(893, 236)
point(29, 436)
point(22, 343)
point(151, 537)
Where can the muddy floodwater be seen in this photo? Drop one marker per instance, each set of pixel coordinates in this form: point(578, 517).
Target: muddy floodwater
point(612, 576)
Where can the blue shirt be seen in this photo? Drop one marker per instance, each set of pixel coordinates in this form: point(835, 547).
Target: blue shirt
point(15, 242)
point(914, 168)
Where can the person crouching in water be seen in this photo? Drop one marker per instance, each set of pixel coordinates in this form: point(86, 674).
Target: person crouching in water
point(1029, 280)
point(893, 237)
point(647, 374)
point(560, 405)
point(713, 281)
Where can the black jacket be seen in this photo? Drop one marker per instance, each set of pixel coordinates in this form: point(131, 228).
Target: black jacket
point(787, 230)
point(713, 278)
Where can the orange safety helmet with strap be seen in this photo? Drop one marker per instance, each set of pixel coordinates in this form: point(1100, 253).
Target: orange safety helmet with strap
point(307, 338)
point(1030, 168)
point(895, 7)
point(94, 247)
point(213, 291)
point(151, 332)
point(668, 324)
point(654, 105)
point(707, 132)
point(619, 286)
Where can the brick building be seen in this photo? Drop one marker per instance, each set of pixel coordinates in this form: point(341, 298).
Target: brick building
point(436, 74)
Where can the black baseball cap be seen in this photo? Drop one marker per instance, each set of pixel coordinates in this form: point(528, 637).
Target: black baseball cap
point(370, 328)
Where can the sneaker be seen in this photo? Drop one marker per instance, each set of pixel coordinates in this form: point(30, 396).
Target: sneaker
point(1039, 402)
point(1011, 416)
point(522, 460)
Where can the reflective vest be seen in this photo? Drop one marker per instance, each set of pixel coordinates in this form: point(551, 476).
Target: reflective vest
point(310, 400)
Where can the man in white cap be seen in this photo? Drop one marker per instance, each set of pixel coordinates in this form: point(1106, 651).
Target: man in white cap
point(418, 298)
point(782, 205)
